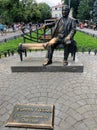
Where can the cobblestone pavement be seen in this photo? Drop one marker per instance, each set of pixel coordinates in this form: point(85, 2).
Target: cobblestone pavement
point(73, 94)
point(10, 35)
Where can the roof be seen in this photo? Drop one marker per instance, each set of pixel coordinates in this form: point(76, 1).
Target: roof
point(57, 6)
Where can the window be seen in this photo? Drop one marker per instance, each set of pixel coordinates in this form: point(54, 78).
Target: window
point(59, 15)
point(60, 8)
point(55, 15)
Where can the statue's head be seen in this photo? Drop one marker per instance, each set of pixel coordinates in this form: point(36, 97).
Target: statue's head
point(65, 10)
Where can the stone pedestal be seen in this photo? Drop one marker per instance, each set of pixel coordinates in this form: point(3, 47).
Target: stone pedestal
point(34, 64)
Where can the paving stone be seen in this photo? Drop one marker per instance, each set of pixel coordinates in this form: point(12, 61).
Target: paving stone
point(90, 122)
point(57, 121)
point(81, 126)
point(73, 94)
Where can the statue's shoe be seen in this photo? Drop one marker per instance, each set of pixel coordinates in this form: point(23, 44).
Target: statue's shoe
point(45, 45)
point(65, 63)
point(48, 62)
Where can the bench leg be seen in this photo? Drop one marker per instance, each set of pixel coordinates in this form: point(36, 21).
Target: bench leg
point(21, 56)
point(25, 51)
point(74, 56)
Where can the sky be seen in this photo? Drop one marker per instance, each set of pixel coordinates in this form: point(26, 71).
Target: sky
point(50, 2)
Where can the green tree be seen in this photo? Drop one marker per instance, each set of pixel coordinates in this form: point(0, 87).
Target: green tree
point(84, 9)
point(36, 14)
point(17, 11)
point(45, 11)
point(74, 4)
point(6, 7)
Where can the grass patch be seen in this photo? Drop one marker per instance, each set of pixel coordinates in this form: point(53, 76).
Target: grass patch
point(83, 41)
point(10, 45)
point(13, 44)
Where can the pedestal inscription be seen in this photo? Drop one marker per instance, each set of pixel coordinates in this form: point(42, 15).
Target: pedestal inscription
point(32, 116)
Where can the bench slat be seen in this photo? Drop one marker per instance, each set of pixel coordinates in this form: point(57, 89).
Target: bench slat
point(33, 46)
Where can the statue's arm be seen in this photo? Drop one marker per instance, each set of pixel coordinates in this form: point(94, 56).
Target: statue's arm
point(73, 29)
point(50, 25)
point(70, 36)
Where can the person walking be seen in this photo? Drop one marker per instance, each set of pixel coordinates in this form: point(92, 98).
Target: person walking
point(1, 29)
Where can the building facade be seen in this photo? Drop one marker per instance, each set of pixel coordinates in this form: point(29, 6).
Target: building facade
point(57, 11)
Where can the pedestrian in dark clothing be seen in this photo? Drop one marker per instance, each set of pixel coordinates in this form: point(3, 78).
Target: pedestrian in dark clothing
point(95, 27)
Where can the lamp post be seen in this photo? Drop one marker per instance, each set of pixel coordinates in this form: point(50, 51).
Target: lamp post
point(63, 1)
point(69, 3)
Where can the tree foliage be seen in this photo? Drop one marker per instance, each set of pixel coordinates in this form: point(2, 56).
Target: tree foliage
point(74, 5)
point(29, 10)
point(45, 11)
point(19, 11)
point(81, 8)
point(84, 9)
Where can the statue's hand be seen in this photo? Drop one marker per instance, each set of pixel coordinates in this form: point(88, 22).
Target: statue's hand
point(67, 40)
point(50, 43)
point(44, 26)
point(53, 41)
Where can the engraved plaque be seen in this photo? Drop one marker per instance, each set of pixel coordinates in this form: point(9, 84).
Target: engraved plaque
point(32, 116)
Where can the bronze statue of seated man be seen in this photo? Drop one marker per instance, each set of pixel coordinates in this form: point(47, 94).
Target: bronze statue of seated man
point(64, 30)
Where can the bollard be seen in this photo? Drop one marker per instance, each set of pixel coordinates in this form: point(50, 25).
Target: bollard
point(95, 51)
point(5, 54)
point(83, 50)
point(0, 55)
point(8, 51)
point(15, 37)
point(89, 50)
point(5, 40)
point(30, 50)
point(12, 52)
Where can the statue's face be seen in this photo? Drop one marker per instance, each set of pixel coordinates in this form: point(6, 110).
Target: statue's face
point(65, 11)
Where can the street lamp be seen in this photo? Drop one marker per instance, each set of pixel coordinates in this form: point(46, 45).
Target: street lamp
point(69, 3)
point(24, 2)
point(63, 1)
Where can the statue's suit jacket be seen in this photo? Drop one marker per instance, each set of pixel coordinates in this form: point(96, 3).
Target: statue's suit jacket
point(63, 27)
